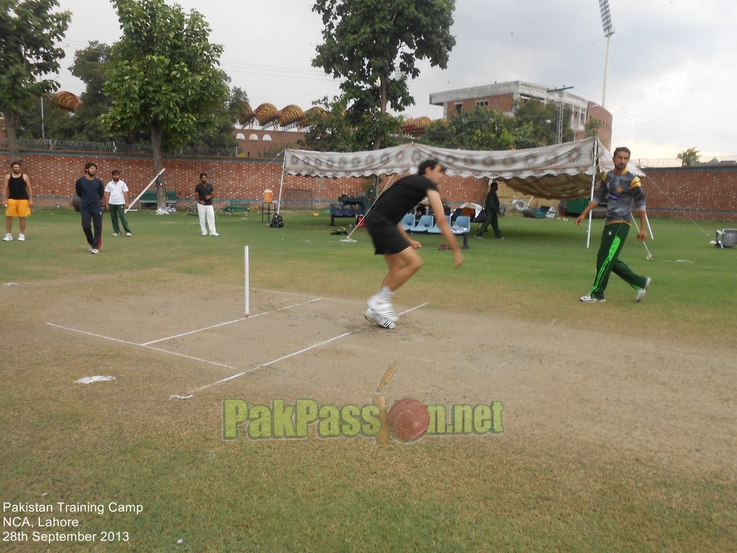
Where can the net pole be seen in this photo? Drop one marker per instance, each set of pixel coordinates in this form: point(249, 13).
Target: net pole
point(247, 283)
point(144, 190)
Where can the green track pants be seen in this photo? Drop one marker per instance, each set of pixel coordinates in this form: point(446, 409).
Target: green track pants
point(608, 262)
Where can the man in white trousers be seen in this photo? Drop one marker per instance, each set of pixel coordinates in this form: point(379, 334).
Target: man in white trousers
point(203, 193)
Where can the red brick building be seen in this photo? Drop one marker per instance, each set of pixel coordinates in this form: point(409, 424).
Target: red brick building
point(504, 96)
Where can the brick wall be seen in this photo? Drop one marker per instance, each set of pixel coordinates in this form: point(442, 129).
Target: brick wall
point(701, 193)
point(696, 192)
point(53, 175)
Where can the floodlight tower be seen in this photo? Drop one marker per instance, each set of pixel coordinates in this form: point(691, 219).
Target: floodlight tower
point(606, 23)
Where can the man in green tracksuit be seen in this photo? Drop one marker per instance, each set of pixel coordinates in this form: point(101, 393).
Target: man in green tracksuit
point(491, 205)
point(620, 189)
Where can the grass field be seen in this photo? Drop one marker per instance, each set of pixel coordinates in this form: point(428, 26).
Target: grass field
point(563, 476)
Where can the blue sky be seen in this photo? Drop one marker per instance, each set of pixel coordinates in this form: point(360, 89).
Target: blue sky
point(671, 71)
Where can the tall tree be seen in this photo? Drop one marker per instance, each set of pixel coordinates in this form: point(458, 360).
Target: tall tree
point(29, 31)
point(543, 119)
point(374, 45)
point(479, 128)
point(329, 130)
point(164, 78)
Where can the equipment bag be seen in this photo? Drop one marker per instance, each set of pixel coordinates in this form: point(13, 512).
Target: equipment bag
point(276, 221)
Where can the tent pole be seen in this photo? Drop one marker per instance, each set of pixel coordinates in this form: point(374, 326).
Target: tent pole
point(281, 181)
point(593, 183)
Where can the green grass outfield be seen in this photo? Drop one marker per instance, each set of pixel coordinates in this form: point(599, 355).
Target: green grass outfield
point(349, 495)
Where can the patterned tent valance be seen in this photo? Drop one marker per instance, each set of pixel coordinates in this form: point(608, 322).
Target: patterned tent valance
point(561, 171)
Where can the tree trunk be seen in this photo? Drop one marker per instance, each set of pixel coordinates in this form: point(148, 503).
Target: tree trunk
point(12, 139)
point(382, 92)
point(157, 135)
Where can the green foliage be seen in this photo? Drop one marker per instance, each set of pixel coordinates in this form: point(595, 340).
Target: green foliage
point(689, 157)
point(238, 106)
point(164, 78)
point(332, 130)
point(374, 45)
point(479, 128)
point(29, 32)
point(543, 119)
point(592, 126)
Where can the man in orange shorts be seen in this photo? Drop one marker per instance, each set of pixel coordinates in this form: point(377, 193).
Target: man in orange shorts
point(17, 199)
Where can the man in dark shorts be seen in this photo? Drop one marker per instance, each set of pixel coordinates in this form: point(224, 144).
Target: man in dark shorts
point(91, 191)
point(391, 241)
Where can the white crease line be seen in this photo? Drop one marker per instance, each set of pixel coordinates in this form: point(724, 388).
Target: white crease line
point(293, 294)
point(230, 322)
point(274, 361)
point(190, 357)
point(191, 392)
point(93, 334)
point(143, 346)
point(221, 364)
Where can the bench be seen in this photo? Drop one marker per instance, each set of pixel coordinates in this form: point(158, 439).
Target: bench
point(349, 211)
point(238, 206)
point(148, 199)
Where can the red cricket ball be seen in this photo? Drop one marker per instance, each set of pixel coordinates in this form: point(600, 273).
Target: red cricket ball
point(408, 419)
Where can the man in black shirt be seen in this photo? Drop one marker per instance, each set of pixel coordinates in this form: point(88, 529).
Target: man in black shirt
point(391, 241)
point(91, 191)
point(17, 199)
point(203, 193)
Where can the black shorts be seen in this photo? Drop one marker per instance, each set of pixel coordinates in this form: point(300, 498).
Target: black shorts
point(387, 239)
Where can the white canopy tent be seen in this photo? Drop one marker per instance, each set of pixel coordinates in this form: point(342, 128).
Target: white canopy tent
point(563, 171)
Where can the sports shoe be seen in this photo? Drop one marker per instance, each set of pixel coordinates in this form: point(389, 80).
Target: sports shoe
point(21, 238)
point(94, 251)
point(591, 299)
point(383, 309)
point(477, 237)
point(116, 234)
point(372, 316)
point(8, 237)
point(214, 234)
point(640, 293)
point(499, 238)
point(128, 234)
point(204, 234)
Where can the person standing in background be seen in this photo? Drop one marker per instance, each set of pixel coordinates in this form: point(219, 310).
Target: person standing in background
point(116, 198)
point(17, 200)
point(91, 192)
point(203, 193)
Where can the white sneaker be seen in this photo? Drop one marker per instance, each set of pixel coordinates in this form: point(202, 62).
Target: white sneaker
point(204, 234)
point(116, 234)
point(128, 234)
point(214, 234)
point(372, 316)
point(383, 309)
point(8, 237)
point(640, 293)
point(94, 251)
point(21, 238)
point(591, 299)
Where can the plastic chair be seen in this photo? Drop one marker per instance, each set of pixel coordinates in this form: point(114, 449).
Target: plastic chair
point(408, 222)
point(426, 222)
point(435, 229)
point(462, 227)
